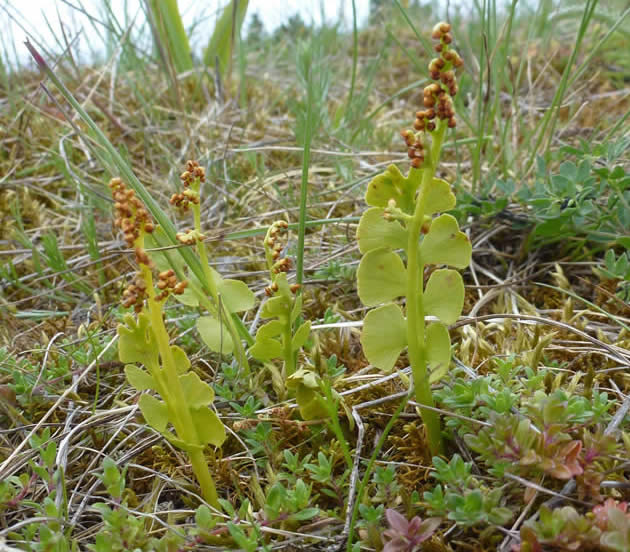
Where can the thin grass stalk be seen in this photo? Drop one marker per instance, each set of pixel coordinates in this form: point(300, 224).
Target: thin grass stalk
point(361, 104)
point(355, 53)
point(368, 470)
point(564, 83)
point(593, 51)
point(482, 100)
point(604, 18)
point(550, 118)
point(620, 123)
point(499, 64)
point(306, 161)
point(531, 33)
point(423, 41)
point(410, 55)
point(314, 78)
point(222, 41)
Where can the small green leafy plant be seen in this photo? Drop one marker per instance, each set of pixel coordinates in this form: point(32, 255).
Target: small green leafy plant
point(606, 527)
point(277, 338)
point(218, 329)
point(316, 398)
point(461, 497)
point(617, 268)
point(122, 530)
point(401, 218)
point(556, 434)
point(407, 536)
point(143, 339)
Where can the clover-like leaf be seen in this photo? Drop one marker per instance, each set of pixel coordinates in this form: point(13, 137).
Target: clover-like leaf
point(445, 244)
point(438, 350)
point(198, 393)
point(215, 334)
point(137, 342)
point(310, 403)
point(210, 430)
point(438, 197)
point(138, 378)
point(393, 185)
point(265, 349)
point(180, 443)
point(444, 295)
point(188, 298)
point(307, 395)
point(236, 295)
point(270, 329)
point(384, 336)
point(182, 363)
point(296, 311)
point(277, 307)
point(155, 412)
point(303, 377)
point(301, 335)
point(381, 277)
point(374, 231)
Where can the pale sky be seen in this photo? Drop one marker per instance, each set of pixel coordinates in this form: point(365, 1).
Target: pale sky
point(33, 16)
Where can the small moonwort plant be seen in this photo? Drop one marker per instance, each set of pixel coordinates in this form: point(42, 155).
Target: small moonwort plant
point(185, 399)
point(277, 338)
point(401, 217)
point(217, 328)
point(280, 338)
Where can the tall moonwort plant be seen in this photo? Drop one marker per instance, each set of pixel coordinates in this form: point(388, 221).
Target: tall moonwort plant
point(402, 219)
point(182, 413)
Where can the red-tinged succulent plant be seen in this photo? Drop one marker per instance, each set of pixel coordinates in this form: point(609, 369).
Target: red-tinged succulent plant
point(407, 536)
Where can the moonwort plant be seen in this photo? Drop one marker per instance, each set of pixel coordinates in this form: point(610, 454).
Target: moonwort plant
point(277, 338)
point(226, 296)
point(282, 337)
point(401, 218)
point(182, 414)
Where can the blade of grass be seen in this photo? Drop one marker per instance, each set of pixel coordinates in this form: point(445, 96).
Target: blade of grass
point(169, 34)
point(314, 77)
point(421, 39)
point(550, 118)
point(355, 53)
point(614, 28)
point(221, 44)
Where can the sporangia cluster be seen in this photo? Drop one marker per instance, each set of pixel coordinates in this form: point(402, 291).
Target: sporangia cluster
point(438, 96)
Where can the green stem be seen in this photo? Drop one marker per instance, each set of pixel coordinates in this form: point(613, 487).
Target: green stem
point(306, 161)
point(368, 470)
point(336, 428)
point(174, 396)
point(289, 354)
point(202, 473)
point(224, 315)
point(177, 405)
point(332, 405)
point(415, 308)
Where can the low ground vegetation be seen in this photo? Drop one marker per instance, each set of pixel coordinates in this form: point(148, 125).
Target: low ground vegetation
point(238, 343)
